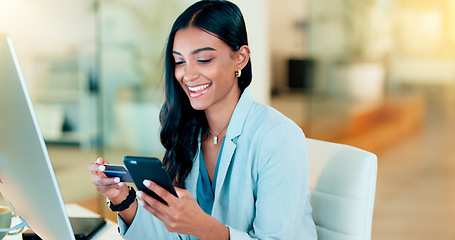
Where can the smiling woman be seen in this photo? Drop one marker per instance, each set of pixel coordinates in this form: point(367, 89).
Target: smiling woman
point(205, 68)
point(220, 145)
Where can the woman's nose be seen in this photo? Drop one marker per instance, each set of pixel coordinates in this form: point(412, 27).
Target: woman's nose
point(190, 74)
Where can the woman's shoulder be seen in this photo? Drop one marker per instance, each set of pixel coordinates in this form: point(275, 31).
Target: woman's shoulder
point(273, 137)
point(264, 116)
point(255, 121)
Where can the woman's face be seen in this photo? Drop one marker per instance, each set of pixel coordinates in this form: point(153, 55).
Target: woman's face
point(205, 68)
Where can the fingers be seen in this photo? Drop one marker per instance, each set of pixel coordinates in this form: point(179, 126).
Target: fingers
point(99, 179)
point(160, 191)
point(179, 215)
point(182, 193)
point(109, 187)
point(97, 167)
point(152, 205)
point(94, 168)
point(104, 181)
point(101, 160)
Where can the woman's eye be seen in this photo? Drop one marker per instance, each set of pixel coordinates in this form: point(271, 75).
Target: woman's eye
point(179, 62)
point(204, 60)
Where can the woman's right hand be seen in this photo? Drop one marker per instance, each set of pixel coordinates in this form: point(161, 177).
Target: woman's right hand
point(111, 188)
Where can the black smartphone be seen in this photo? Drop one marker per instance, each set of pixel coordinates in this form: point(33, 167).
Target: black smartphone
point(150, 168)
point(119, 171)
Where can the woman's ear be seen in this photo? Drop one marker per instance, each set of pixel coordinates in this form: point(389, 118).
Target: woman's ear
point(243, 56)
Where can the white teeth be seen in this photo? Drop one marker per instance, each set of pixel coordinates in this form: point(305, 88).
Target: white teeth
point(198, 88)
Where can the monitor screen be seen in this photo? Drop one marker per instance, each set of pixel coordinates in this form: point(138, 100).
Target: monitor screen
point(27, 179)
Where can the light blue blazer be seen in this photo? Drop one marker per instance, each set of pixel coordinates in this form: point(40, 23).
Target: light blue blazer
point(262, 183)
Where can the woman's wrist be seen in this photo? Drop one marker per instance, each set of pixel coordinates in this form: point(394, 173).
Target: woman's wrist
point(215, 230)
point(125, 204)
point(124, 192)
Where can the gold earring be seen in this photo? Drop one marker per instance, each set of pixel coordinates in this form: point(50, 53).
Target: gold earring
point(238, 73)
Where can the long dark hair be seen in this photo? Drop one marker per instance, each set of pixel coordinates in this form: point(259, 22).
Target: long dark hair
point(180, 123)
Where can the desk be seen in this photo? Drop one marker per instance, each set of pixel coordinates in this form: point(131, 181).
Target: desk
point(107, 232)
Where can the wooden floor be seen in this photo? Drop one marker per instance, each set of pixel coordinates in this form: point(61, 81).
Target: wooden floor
point(416, 180)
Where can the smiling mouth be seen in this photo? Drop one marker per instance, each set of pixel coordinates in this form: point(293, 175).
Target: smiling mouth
point(198, 90)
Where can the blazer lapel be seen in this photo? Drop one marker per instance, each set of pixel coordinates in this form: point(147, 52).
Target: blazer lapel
point(234, 130)
point(191, 181)
point(225, 161)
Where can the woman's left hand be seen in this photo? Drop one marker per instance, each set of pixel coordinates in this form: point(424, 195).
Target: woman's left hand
point(182, 214)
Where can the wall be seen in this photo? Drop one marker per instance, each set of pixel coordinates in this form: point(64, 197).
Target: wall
point(56, 27)
point(256, 16)
point(287, 37)
point(424, 49)
point(47, 27)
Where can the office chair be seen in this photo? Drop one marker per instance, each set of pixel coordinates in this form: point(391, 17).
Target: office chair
point(342, 184)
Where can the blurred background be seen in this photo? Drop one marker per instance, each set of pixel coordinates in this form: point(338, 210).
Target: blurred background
point(375, 74)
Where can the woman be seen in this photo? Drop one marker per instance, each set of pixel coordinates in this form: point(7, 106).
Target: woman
point(240, 168)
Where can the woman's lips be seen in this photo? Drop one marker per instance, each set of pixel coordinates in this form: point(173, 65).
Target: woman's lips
point(199, 90)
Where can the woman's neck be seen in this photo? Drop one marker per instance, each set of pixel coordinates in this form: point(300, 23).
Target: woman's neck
point(218, 117)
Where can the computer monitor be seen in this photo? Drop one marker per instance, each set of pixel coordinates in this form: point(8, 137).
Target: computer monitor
point(27, 179)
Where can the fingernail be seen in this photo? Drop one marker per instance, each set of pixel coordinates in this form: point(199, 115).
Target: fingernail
point(147, 183)
point(139, 194)
point(102, 168)
point(120, 184)
point(98, 160)
point(117, 179)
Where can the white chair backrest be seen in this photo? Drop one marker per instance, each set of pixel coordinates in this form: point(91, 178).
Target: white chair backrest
point(343, 185)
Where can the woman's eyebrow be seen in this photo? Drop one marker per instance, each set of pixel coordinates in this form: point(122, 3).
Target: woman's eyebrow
point(203, 49)
point(197, 50)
